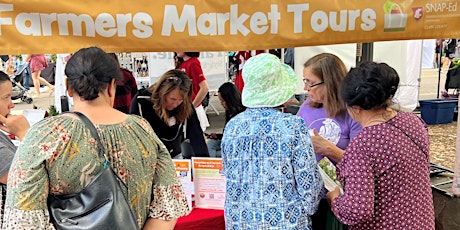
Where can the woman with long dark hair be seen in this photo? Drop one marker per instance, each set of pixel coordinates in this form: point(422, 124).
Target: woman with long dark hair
point(230, 98)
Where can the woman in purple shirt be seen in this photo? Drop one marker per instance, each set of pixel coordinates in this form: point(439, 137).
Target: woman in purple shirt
point(324, 112)
point(385, 169)
point(326, 117)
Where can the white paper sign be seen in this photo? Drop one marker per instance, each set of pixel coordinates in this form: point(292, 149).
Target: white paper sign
point(209, 181)
point(34, 115)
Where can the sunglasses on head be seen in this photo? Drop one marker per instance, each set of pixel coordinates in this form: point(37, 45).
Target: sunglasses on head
point(174, 79)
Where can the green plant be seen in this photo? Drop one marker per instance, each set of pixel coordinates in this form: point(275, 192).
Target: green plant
point(52, 111)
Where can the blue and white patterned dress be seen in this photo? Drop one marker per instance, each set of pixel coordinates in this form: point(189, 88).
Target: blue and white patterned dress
point(272, 177)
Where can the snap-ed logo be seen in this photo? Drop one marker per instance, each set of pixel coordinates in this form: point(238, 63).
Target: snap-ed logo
point(418, 13)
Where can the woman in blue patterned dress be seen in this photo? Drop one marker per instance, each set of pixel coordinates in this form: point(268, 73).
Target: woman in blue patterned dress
point(272, 179)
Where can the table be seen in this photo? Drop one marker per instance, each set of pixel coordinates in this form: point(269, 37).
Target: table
point(202, 219)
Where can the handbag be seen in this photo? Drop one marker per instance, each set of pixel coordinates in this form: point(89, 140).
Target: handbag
point(100, 205)
point(186, 146)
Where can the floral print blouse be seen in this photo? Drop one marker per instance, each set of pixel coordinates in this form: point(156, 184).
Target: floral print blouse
point(272, 179)
point(59, 156)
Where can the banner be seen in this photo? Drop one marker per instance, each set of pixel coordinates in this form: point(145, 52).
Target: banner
point(50, 26)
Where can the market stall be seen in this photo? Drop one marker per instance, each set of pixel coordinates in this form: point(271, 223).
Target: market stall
point(166, 26)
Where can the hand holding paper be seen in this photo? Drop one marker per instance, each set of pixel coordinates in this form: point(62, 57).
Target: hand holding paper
point(333, 194)
point(324, 147)
point(320, 144)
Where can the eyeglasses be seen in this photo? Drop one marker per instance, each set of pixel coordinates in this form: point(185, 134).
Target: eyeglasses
point(305, 81)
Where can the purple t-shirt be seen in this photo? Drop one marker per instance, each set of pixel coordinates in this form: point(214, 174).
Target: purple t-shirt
point(339, 130)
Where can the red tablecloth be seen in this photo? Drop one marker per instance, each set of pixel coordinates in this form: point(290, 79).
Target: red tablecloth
point(202, 219)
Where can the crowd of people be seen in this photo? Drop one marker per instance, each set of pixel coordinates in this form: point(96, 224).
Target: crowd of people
point(270, 158)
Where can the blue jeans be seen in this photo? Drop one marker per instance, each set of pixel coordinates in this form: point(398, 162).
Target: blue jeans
point(214, 147)
point(26, 76)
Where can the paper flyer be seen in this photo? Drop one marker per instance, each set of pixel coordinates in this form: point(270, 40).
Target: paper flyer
point(184, 173)
point(209, 181)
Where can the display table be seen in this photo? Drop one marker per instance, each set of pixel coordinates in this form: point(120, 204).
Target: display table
point(202, 219)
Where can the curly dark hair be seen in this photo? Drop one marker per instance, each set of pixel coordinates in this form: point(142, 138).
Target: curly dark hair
point(371, 85)
point(89, 71)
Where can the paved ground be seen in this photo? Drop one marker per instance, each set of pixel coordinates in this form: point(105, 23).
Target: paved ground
point(429, 83)
point(43, 102)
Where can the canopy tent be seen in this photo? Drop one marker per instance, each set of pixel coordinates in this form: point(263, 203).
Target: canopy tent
point(48, 26)
point(428, 55)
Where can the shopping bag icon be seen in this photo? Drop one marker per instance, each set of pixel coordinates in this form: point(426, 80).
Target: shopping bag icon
point(395, 20)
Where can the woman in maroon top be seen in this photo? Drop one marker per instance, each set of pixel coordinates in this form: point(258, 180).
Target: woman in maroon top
point(189, 63)
point(385, 169)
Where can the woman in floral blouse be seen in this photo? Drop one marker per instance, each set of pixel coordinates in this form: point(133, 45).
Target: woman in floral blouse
point(58, 154)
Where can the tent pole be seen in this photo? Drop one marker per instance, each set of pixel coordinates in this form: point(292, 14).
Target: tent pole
point(439, 67)
point(367, 51)
point(359, 53)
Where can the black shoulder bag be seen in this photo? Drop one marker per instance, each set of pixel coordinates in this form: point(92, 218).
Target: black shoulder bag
point(100, 205)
